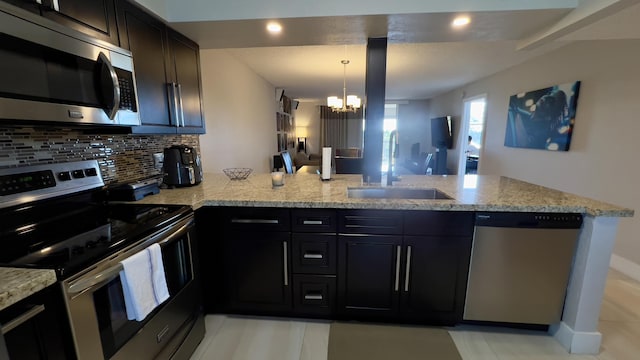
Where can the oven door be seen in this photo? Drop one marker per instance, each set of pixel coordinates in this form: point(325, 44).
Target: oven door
point(96, 307)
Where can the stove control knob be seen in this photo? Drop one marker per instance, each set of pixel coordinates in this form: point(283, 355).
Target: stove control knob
point(91, 172)
point(64, 176)
point(78, 174)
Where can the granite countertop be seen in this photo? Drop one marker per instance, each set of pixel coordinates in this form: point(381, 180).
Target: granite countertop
point(17, 284)
point(470, 193)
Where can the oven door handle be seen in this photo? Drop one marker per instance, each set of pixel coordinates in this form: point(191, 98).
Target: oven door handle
point(107, 275)
point(104, 276)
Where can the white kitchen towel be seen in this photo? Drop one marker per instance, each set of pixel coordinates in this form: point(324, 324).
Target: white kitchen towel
point(136, 278)
point(157, 272)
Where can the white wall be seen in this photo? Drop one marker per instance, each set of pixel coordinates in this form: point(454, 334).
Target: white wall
point(308, 115)
point(414, 126)
point(159, 7)
point(449, 106)
point(602, 162)
point(240, 111)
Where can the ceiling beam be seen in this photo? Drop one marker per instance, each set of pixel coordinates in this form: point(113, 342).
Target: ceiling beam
point(587, 13)
point(217, 10)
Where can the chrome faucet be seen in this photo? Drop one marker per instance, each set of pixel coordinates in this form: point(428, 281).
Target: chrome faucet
point(393, 154)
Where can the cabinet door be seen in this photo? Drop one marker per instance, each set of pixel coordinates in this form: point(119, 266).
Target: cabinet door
point(95, 18)
point(185, 63)
point(434, 278)
point(369, 275)
point(144, 36)
point(41, 330)
point(257, 271)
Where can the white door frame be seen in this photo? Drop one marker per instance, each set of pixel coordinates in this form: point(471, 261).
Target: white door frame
point(464, 130)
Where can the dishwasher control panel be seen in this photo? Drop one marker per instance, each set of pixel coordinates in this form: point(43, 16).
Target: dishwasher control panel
point(529, 220)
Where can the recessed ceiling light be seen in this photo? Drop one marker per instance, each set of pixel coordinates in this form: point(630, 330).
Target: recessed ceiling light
point(274, 28)
point(461, 21)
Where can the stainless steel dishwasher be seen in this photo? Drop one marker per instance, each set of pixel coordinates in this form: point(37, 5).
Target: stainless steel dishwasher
point(520, 265)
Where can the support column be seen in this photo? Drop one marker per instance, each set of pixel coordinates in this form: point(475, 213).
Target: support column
point(374, 108)
point(578, 330)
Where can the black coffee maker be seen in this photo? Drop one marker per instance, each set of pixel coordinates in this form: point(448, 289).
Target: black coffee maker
point(182, 166)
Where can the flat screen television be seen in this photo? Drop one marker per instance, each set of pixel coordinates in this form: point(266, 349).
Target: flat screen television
point(441, 132)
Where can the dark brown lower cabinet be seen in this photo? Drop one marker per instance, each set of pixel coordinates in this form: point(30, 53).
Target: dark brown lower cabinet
point(404, 277)
point(434, 278)
point(314, 263)
point(411, 278)
point(314, 294)
point(368, 275)
point(36, 328)
point(257, 272)
point(370, 265)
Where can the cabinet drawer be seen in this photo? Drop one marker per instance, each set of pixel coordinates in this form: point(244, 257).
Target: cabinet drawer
point(314, 294)
point(257, 219)
point(380, 222)
point(314, 253)
point(438, 223)
point(315, 220)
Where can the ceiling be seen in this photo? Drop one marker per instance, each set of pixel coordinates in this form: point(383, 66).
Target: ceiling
point(425, 56)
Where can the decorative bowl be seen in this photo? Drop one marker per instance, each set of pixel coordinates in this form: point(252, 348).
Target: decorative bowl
point(237, 173)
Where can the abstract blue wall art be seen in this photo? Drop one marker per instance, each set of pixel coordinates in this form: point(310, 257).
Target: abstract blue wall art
point(543, 119)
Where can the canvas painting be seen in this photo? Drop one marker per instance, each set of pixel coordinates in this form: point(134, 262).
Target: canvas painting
point(543, 119)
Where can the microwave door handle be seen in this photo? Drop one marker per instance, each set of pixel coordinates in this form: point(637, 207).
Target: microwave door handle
point(181, 104)
point(113, 77)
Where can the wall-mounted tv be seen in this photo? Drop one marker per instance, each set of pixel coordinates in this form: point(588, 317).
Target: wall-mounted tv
point(442, 132)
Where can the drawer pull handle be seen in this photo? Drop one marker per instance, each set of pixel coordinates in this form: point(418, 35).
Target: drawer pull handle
point(313, 256)
point(313, 297)
point(407, 269)
point(21, 319)
point(312, 222)
point(286, 261)
point(255, 221)
point(396, 286)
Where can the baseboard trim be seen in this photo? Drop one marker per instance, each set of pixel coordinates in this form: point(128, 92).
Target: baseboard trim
point(576, 342)
point(625, 266)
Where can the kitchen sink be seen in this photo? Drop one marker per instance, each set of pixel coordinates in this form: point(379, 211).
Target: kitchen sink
point(396, 193)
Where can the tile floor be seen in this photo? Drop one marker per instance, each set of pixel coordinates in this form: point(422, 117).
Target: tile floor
point(246, 338)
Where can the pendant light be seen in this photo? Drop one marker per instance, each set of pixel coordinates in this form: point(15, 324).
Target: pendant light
point(349, 103)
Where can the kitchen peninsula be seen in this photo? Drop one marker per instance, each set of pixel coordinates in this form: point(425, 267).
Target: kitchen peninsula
point(577, 331)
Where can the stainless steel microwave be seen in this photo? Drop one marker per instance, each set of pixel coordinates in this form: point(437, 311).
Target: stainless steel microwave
point(49, 73)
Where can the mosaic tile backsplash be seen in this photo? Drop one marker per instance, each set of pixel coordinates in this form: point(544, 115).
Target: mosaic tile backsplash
point(121, 157)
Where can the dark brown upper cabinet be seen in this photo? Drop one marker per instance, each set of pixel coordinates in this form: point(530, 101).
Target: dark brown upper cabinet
point(167, 66)
point(96, 18)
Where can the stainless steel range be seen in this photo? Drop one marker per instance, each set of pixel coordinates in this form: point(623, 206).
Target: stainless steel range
point(54, 216)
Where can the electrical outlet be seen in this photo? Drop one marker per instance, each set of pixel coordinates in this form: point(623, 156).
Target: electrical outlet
point(158, 160)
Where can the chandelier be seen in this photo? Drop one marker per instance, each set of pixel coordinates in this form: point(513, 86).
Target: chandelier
point(347, 103)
